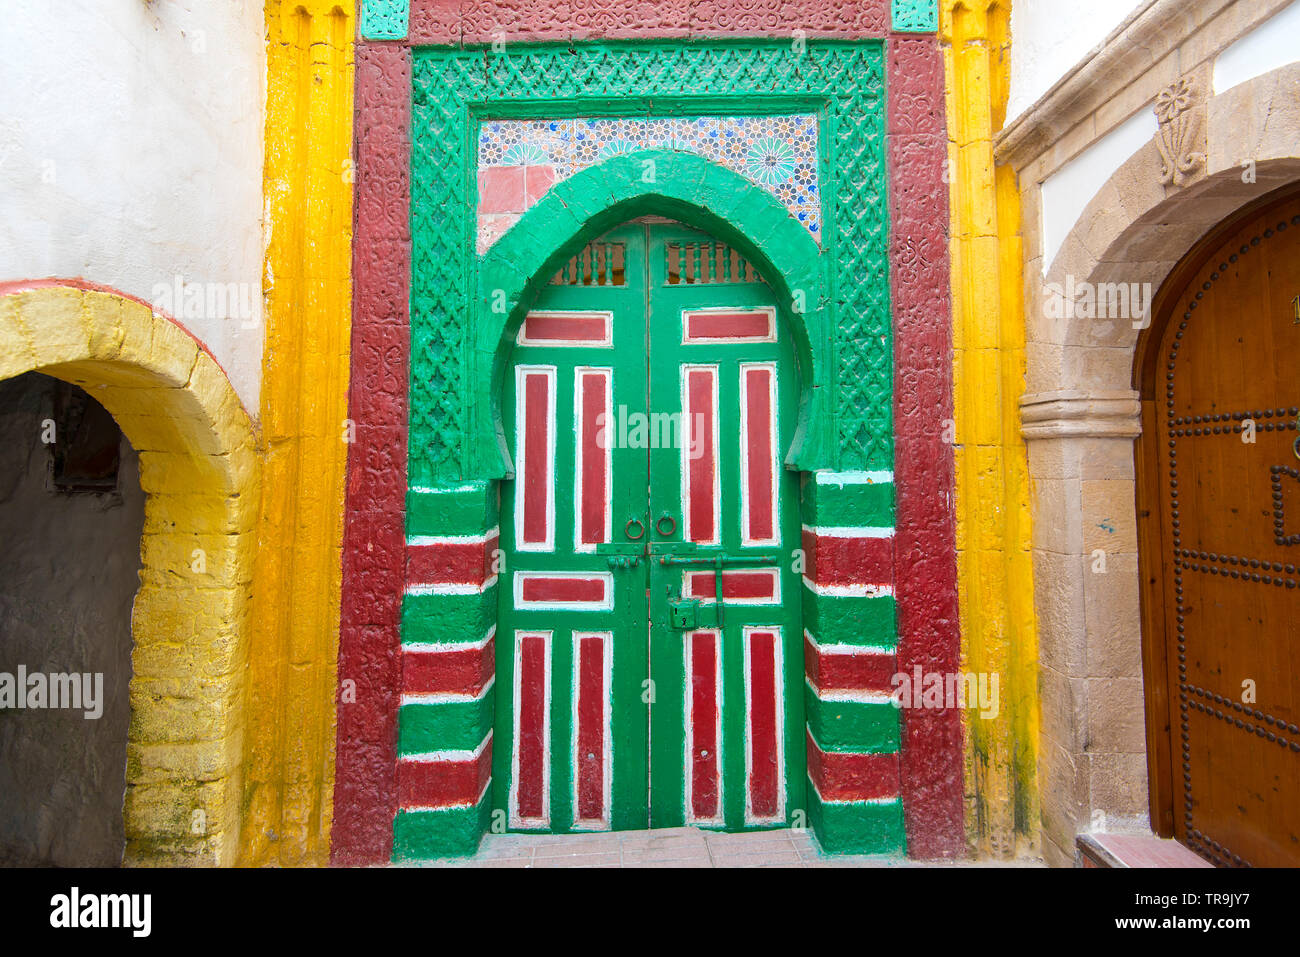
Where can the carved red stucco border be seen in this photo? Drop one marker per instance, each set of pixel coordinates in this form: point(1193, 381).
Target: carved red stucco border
point(374, 536)
point(925, 538)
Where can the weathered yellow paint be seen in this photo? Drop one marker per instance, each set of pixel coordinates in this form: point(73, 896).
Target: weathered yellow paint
point(995, 575)
point(288, 792)
point(185, 748)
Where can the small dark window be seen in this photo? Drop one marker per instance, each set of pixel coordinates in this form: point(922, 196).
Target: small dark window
point(87, 442)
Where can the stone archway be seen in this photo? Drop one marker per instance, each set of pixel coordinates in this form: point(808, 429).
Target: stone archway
point(1081, 414)
point(198, 468)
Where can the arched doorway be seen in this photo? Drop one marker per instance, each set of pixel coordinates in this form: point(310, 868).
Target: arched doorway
point(71, 513)
point(189, 620)
point(449, 715)
point(1219, 477)
point(652, 397)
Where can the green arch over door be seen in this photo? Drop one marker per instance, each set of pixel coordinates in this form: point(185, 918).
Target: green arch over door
point(681, 186)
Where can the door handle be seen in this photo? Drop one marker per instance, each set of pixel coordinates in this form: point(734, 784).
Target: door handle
point(718, 561)
point(672, 525)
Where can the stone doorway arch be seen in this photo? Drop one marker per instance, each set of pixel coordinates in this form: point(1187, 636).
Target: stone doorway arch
point(198, 469)
point(1081, 414)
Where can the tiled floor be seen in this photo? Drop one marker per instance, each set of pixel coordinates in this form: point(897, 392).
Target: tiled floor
point(676, 847)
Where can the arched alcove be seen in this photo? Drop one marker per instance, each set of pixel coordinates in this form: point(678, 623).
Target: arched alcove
point(198, 469)
point(680, 186)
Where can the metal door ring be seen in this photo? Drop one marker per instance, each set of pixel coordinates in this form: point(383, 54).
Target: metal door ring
point(659, 525)
point(627, 529)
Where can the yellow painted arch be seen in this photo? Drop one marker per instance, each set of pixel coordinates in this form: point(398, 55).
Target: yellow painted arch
point(199, 470)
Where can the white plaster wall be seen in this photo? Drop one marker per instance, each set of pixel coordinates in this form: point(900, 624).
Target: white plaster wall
point(131, 153)
point(1049, 38)
point(1270, 46)
point(1068, 191)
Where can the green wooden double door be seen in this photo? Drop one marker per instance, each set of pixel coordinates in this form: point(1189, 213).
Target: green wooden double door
point(649, 646)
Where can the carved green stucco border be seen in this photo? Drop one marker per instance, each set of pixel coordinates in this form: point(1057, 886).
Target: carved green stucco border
point(685, 187)
point(847, 414)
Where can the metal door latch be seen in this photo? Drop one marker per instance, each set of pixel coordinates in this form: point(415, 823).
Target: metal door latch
point(621, 554)
point(683, 614)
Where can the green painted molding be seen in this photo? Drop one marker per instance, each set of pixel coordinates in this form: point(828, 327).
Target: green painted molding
point(384, 19)
point(459, 725)
point(867, 622)
point(467, 508)
point(448, 618)
point(441, 832)
point(854, 504)
point(688, 188)
point(853, 726)
point(857, 827)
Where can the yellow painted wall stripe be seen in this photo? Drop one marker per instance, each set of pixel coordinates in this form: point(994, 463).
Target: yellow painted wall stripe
point(995, 573)
point(288, 794)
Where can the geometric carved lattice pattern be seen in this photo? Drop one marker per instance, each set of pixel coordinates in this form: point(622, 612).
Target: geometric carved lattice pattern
point(915, 16)
point(848, 78)
point(384, 19)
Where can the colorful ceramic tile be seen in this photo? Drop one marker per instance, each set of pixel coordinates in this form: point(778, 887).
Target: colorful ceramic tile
point(779, 153)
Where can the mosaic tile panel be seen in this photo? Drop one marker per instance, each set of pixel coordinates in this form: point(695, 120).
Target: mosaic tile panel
point(777, 153)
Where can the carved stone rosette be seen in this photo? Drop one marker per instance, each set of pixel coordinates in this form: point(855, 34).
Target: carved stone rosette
point(1180, 132)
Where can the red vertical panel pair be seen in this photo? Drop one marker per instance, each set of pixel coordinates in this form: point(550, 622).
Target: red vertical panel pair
point(763, 726)
point(759, 460)
point(536, 422)
point(530, 787)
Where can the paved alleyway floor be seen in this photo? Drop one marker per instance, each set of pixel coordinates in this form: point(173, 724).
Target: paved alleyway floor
point(681, 847)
